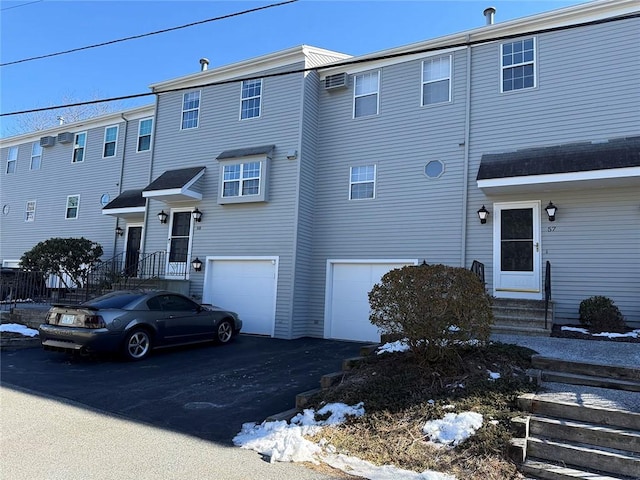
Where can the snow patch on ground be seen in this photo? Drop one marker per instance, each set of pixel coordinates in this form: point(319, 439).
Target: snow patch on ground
point(453, 428)
point(493, 375)
point(632, 334)
point(17, 328)
point(362, 468)
point(397, 346)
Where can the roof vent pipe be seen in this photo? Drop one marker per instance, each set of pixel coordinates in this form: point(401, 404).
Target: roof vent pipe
point(60, 120)
point(489, 14)
point(204, 64)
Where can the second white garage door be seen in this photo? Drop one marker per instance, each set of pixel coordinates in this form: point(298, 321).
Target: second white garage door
point(247, 287)
point(347, 300)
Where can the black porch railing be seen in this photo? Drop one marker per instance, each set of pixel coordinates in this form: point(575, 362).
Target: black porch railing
point(547, 291)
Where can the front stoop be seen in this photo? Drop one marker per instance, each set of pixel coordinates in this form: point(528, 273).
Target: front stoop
point(521, 317)
point(577, 431)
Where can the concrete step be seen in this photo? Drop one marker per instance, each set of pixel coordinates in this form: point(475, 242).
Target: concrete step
point(576, 411)
point(517, 330)
point(551, 471)
point(330, 379)
point(589, 380)
point(585, 432)
point(611, 461)
point(500, 319)
point(592, 369)
point(302, 399)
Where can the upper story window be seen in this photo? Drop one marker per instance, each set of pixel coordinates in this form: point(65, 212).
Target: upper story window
point(36, 156)
point(362, 182)
point(110, 142)
point(365, 94)
point(30, 211)
point(190, 109)
point(78, 147)
point(251, 99)
point(436, 80)
point(518, 65)
point(73, 204)
point(12, 160)
point(144, 134)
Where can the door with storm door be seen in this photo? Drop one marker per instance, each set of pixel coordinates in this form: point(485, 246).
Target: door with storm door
point(516, 250)
point(132, 251)
point(179, 244)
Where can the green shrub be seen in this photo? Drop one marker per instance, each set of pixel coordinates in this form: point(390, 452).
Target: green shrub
point(599, 314)
point(436, 307)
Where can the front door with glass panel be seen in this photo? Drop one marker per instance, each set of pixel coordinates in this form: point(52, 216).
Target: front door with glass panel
point(178, 246)
point(516, 250)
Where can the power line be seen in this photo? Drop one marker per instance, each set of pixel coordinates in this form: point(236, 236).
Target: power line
point(21, 5)
point(343, 63)
point(157, 32)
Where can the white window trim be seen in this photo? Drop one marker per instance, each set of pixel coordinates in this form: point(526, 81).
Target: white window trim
point(27, 210)
point(67, 207)
point(534, 62)
point(190, 110)
point(13, 161)
point(75, 147)
point(104, 143)
point(374, 181)
point(377, 94)
point(242, 99)
point(139, 136)
point(423, 83)
point(34, 144)
point(263, 186)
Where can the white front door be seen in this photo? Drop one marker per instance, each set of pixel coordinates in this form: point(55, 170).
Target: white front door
point(516, 250)
point(179, 244)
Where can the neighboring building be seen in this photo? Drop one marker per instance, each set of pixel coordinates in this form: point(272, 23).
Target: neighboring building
point(312, 184)
point(55, 182)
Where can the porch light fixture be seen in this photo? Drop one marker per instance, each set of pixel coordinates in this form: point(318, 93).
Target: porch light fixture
point(119, 231)
point(197, 215)
point(551, 211)
point(483, 213)
point(162, 216)
point(196, 264)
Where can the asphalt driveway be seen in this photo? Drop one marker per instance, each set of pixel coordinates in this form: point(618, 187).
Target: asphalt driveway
point(207, 391)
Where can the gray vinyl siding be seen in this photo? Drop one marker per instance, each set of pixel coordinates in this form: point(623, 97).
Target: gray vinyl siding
point(50, 186)
point(136, 165)
point(247, 229)
point(587, 91)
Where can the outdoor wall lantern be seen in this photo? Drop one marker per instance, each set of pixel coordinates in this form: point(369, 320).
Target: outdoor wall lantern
point(483, 213)
point(196, 264)
point(119, 231)
point(197, 215)
point(551, 211)
point(162, 216)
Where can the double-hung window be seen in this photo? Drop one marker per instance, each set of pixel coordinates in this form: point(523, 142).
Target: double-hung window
point(365, 94)
point(144, 134)
point(79, 143)
point(73, 204)
point(251, 99)
point(30, 211)
point(518, 65)
point(110, 141)
point(12, 160)
point(190, 110)
point(36, 156)
point(436, 80)
point(362, 182)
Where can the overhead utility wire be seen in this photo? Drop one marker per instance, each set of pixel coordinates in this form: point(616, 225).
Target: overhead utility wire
point(344, 63)
point(20, 5)
point(142, 35)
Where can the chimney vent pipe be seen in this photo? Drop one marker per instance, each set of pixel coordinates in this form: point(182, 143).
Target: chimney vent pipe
point(204, 64)
point(489, 14)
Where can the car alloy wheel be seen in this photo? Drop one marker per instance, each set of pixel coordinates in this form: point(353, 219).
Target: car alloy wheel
point(137, 345)
point(225, 332)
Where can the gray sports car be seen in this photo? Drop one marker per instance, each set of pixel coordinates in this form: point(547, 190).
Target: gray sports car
point(135, 322)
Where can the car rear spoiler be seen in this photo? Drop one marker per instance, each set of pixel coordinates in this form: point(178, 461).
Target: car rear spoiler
point(74, 305)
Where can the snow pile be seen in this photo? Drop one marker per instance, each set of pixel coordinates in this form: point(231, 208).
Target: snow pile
point(284, 442)
point(397, 346)
point(17, 328)
point(493, 375)
point(453, 428)
point(632, 334)
point(362, 468)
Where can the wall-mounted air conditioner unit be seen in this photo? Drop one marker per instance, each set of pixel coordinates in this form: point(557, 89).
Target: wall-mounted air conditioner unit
point(47, 141)
point(65, 137)
point(339, 80)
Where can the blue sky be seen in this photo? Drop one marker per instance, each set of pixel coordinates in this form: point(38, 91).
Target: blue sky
point(353, 27)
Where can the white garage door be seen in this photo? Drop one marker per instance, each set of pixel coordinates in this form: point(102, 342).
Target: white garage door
point(348, 299)
point(247, 287)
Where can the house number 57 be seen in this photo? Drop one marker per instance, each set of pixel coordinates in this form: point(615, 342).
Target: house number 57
point(551, 229)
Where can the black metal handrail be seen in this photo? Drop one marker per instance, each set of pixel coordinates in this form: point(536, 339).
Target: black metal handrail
point(478, 268)
point(547, 290)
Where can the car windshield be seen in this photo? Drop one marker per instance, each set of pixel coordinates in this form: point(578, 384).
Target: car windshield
point(114, 300)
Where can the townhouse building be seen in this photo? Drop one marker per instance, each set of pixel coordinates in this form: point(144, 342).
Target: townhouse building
point(285, 186)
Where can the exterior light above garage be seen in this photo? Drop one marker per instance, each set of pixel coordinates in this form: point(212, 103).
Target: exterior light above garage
point(197, 215)
point(483, 213)
point(196, 264)
point(162, 216)
point(551, 211)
